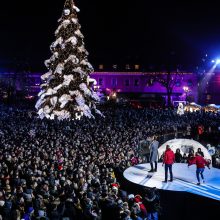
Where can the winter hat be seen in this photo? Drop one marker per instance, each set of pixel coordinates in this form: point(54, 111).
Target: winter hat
point(56, 201)
point(7, 188)
point(30, 209)
point(28, 196)
point(41, 213)
point(2, 203)
point(127, 212)
point(120, 202)
point(138, 197)
point(131, 196)
point(114, 185)
point(115, 188)
point(69, 200)
point(125, 204)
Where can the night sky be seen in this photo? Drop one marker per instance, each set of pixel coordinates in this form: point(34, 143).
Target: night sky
point(152, 34)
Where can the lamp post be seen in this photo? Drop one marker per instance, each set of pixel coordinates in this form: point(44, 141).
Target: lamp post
point(186, 90)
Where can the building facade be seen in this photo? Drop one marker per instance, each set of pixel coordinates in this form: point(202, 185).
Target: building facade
point(210, 89)
point(134, 85)
point(185, 85)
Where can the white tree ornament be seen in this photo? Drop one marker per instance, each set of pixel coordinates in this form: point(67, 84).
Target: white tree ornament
point(73, 40)
point(66, 11)
point(60, 68)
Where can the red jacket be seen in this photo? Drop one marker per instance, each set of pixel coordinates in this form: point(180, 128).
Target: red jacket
point(138, 199)
point(134, 161)
point(199, 161)
point(169, 157)
point(200, 129)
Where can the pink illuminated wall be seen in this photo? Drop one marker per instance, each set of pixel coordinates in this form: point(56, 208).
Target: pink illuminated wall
point(131, 82)
point(137, 82)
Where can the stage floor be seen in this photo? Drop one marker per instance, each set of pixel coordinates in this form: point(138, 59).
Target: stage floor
point(184, 179)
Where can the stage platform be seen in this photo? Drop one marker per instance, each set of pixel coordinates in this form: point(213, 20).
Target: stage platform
point(184, 179)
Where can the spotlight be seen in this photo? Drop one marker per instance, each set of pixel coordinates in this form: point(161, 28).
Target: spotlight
point(217, 61)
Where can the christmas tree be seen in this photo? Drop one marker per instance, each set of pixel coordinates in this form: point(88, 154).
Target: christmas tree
point(66, 91)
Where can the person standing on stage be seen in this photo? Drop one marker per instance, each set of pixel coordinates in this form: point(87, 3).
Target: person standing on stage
point(153, 154)
point(200, 164)
point(168, 160)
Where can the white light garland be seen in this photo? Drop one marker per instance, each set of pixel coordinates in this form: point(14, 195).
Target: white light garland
point(66, 12)
point(78, 33)
point(39, 103)
point(59, 41)
point(85, 89)
point(53, 101)
point(67, 79)
point(86, 63)
point(46, 75)
point(59, 68)
point(62, 115)
point(64, 99)
point(64, 24)
point(76, 8)
point(58, 87)
point(73, 40)
point(74, 20)
point(72, 58)
point(80, 71)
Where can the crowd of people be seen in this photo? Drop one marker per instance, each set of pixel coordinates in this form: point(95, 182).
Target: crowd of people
point(67, 169)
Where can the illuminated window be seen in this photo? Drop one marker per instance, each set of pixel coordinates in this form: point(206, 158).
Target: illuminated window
point(136, 82)
point(115, 66)
point(127, 82)
point(189, 83)
point(114, 82)
point(178, 84)
point(137, 67)
point(100, 81)
point(127, 67)
point(101, 66)
point(147, 83)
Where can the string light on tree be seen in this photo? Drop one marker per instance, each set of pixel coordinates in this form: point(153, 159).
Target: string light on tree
point(67, 89)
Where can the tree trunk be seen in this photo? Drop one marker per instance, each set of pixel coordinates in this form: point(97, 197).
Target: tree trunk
point(169, 93)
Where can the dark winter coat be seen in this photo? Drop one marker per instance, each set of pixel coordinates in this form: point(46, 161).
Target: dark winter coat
point(178, 157)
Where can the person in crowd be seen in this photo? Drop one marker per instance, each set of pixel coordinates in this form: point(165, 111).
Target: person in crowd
point(134, 160)
point(144, 150)
point(200, 166)
point(185, 158)
point(154, 154)
point(72, 169)
point(199, 151)
point(178, 156)
point(169, 159)
point(151, 200)
point(191, 154)
point(200, 131)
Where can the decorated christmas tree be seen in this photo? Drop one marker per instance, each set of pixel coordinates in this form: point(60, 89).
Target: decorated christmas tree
point(67, 89)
